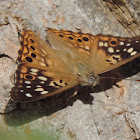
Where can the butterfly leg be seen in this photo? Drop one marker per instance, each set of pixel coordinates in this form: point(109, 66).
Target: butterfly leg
point(103, 90)
point(117, 85)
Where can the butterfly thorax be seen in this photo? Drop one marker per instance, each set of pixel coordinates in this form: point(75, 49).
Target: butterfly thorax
point(85, 74)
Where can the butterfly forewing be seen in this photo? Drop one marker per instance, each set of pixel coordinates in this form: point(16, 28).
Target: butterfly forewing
point(40, 72)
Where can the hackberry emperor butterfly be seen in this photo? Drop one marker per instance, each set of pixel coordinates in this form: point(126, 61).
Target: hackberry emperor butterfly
point(76, 58)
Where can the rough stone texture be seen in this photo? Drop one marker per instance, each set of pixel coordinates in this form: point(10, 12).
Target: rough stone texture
point(123, 11)
point(6, 68)
point(87, 116)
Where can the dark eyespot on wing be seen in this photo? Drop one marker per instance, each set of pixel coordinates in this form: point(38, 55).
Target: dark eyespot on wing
point(32, 41)
point(29, 59)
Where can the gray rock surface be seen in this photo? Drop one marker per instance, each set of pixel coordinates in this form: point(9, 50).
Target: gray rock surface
point(90, 115)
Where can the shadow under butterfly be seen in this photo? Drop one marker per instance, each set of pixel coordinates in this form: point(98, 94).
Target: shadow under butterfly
point(68, 59)
point(50, 105)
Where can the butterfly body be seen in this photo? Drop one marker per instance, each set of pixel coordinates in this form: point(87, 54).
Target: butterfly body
point(66, 60)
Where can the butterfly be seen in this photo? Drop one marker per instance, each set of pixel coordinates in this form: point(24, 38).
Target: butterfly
point(66, 60)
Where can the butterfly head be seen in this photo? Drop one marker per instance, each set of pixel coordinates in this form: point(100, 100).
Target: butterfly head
point(91, 80)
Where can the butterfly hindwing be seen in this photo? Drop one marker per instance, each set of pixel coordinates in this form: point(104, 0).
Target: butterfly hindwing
point(113, 52)
point(77, 45)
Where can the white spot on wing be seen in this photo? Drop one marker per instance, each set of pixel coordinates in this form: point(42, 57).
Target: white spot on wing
point(39, 89)
point(116, 56)
point(111, 50)
point(42, 64)
point(33, 73)
point(34, 70)
point(117, 50)
point(28, 95)
point(42, 78)
point(27, 82)
point(101, 44)
point(87, 48)
point(42, 59)
point(128, 44)
point(124, 49)
point(121, 43)
point(130, 50)
point(44, 92)
point(38, 86)
point(106, 44)
point(133, 53)
point(28, 86)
